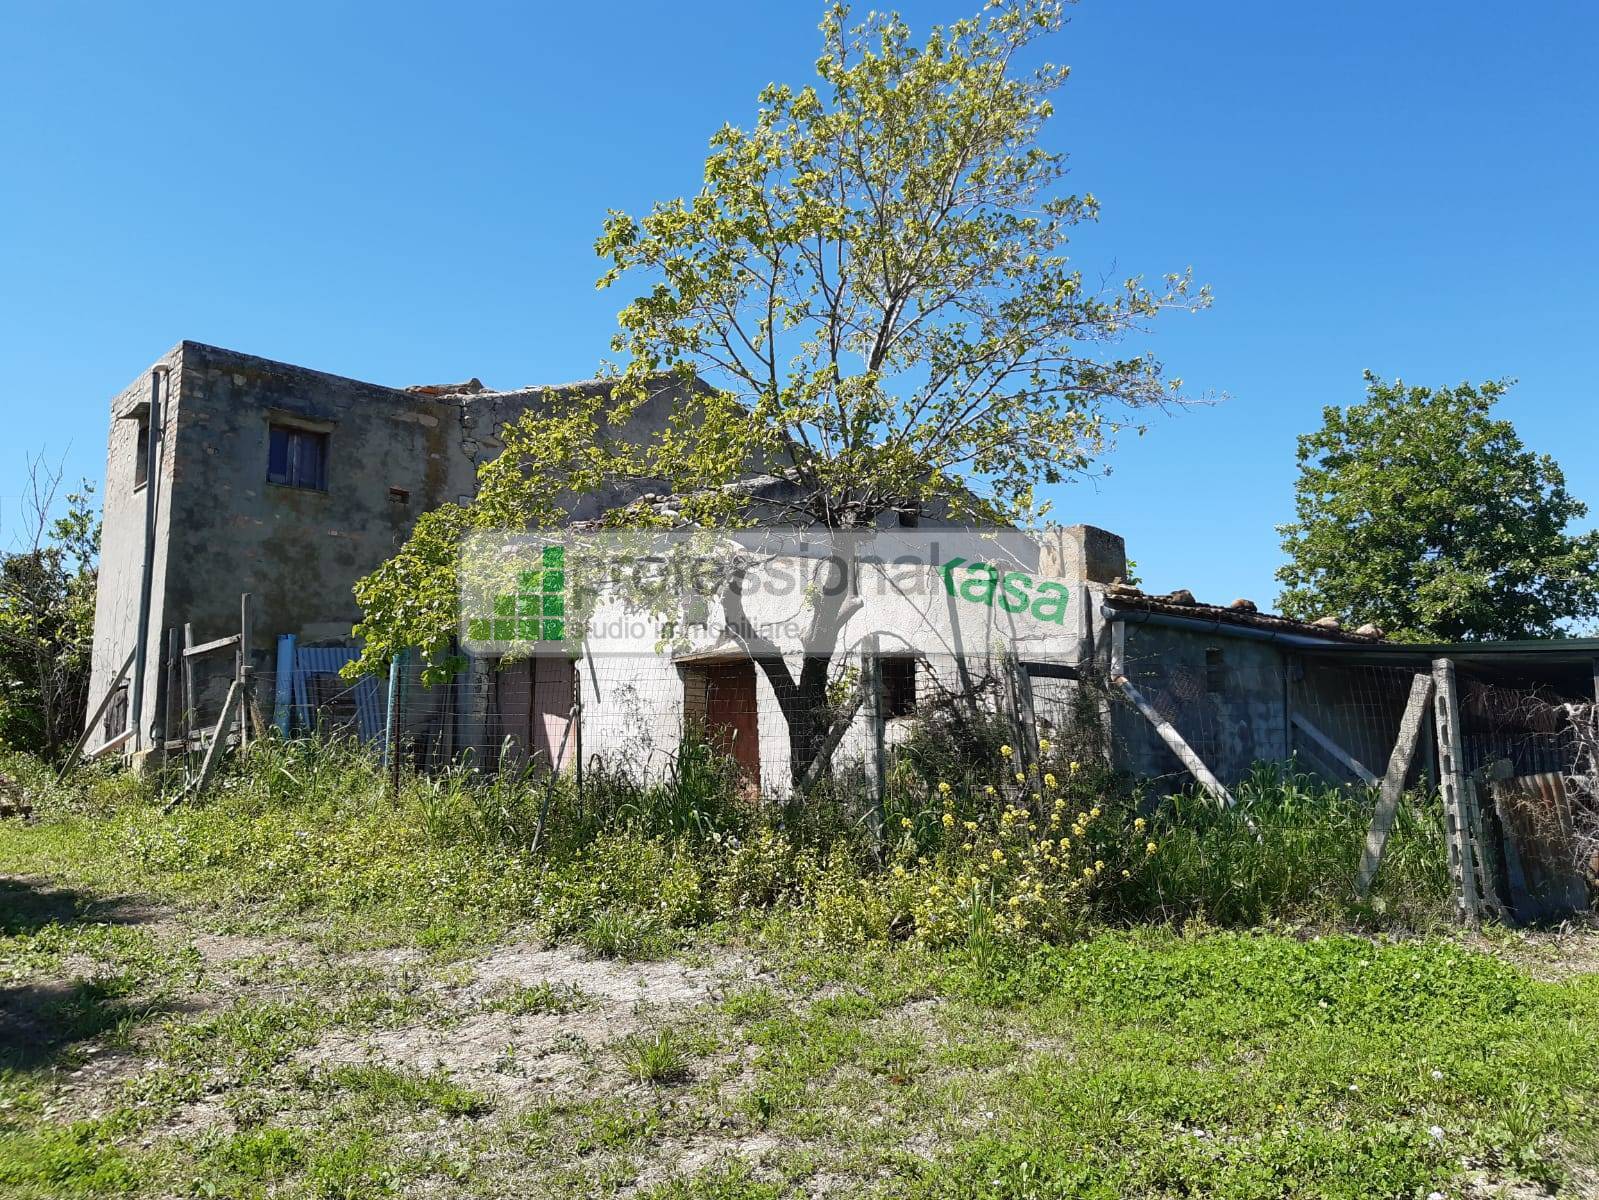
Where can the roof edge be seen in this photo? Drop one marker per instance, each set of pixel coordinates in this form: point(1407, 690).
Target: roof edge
point(1181, 604)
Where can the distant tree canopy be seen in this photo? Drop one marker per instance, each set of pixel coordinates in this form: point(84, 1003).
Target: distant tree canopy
point(47, 592)
point(1421, 512)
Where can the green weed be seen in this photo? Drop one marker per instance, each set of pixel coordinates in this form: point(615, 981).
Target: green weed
point(540, 998)
point(386, 1088)
point(655, 1058)
point(625, 935)
point(54, 1161)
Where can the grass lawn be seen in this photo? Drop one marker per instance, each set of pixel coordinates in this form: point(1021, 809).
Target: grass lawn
point(175, 1027)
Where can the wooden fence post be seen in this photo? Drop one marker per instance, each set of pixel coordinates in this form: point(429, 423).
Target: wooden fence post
point(1021, 690)
point(94, 719)
point(1393, 783)
point(577, 729)
point(246, 671)
point(191, 718)
point(219, 739)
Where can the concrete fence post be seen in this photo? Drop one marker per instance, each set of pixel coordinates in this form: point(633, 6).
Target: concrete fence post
point(391, 723)
point(283, 692)
point(876, 751)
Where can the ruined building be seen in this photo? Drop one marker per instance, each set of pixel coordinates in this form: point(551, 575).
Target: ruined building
point(283, 482)
point(292, 484)
point(230, 474)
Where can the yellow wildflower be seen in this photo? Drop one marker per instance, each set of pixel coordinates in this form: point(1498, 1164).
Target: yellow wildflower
point(943, 788)
point(1076, 766)
point(904, 822)
point(989, 790)
point(1149, 848)
point(949, 820)
point(1020, 778)
point(1049, 779)
point(899, 871)
point(1094, 812)
point(997, 855)
point(1005, 751)
point(1138, 825)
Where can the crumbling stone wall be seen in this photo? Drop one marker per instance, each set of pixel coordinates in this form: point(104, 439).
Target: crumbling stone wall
point(122, 536)
point(223, 528)
point(1226, 695)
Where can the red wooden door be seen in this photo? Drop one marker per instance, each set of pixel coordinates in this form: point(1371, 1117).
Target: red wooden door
point(731, 717)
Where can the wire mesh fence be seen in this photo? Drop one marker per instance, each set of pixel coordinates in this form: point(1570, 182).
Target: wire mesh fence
point(630, 714)
point(1166, 711)
point(1237, 704)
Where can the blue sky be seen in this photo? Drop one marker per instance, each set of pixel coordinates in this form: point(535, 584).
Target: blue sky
point(409, 193)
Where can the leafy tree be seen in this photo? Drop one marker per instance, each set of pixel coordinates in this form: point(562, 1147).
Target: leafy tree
point(1421, 512)
point(874, 288)
point(47, 591)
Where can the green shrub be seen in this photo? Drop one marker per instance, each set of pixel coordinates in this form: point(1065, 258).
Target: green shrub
point(1019, 855)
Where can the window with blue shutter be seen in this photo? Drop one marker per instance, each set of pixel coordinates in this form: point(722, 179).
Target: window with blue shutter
point(297, 457)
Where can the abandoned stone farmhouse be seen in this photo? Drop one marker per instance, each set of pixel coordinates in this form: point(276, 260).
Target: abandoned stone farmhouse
point(286, 483)
point(229, 474)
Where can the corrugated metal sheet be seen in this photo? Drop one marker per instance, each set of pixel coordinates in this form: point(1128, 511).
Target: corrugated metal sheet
point(311, 661)
point(1540, 846)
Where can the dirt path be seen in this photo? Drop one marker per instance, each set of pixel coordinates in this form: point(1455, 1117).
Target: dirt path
point(202, 1050)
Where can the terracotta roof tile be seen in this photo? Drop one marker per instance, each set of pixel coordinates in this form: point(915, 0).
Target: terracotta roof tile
point(1181, 603)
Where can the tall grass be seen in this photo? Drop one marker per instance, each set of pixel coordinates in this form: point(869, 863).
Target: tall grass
point(314, 827)
point(1290, 848)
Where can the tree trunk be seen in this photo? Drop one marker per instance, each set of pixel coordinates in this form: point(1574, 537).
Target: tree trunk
point(803, 703)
